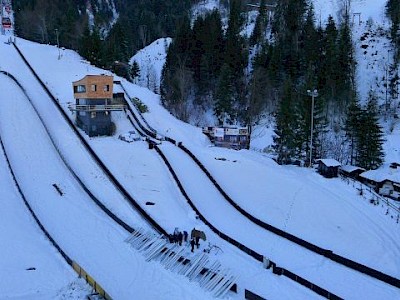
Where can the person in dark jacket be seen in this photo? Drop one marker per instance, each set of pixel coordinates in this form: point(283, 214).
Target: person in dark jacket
point(180, 237)
point(171, 238)
point(192, 244)
point(185, 236)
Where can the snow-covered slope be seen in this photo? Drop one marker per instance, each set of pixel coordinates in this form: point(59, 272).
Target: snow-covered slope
point(28, 262)
point(329, 213)
point(326, 212)
point(151, 60)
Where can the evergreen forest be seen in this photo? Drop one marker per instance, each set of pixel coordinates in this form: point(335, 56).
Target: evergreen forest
point(289, 63)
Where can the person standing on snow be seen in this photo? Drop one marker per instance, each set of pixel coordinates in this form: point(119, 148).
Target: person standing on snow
point(192, 244)
point(180, 237)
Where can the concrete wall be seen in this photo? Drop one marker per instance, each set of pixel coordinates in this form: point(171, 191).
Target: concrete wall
point(95, 123)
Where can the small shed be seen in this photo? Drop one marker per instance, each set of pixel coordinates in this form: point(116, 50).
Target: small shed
point(351, 171)
point(328, 167)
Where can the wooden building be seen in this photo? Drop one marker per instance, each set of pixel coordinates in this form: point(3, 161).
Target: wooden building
point(94, 103)
point(351, 171)
point(385, 181)
point(328, 167)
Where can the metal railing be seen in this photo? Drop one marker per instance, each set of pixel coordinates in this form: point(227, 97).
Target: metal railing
point(95, 108)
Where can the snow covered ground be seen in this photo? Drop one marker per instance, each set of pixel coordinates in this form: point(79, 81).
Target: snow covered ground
point(164, 198)
point(151, 60)
point(30, 267)
point(328, 213)
point(82, 230)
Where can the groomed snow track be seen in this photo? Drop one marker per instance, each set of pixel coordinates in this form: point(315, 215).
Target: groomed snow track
point(94, 156)
point(76, 177)
point(151, 134)
point(312, 247)
point(104, 168)
point(46, 233)
point(281, 271)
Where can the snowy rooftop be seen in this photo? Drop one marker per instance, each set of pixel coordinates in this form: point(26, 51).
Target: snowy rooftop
point(383, 174)
point(350, 168)
point(330, 162)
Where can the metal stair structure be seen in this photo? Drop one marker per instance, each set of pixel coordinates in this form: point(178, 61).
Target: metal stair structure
point(200, 267)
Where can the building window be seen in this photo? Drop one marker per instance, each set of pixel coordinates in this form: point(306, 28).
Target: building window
point(79, 89)
point(94, 87)
point(107, 88)
point(233, 138)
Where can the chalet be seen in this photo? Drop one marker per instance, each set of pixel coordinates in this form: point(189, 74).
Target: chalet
point(351, 171)
point(328, 167)
point(385, 181)
point(94, 103)
point(229, 137)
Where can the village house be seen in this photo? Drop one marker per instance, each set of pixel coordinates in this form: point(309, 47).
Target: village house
point(229, 137)
point(351, 171)
point(385, 181)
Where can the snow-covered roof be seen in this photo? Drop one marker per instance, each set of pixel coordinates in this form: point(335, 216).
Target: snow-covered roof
point(382, 174)
point(350, 168)
point(330, 162)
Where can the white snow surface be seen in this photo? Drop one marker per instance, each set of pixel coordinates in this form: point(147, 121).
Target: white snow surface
point(326, 212)
point(151, 60)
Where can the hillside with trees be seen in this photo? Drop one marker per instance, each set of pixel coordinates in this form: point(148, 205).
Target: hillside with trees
point(216, 65)
point(243, 78)
point(104, 32)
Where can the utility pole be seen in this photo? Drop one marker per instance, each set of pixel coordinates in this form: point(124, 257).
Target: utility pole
point(313, 94)
point(58, 44)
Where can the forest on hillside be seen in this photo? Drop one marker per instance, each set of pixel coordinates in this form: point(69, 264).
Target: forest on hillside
point(273, 72)
point(89, 26)
point(212, 66)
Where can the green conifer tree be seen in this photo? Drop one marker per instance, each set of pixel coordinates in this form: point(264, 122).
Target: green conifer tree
point(370, 136)
point(352, 128)
point(135, 71)
point(257, 35)
point(286, 127)
point(393, 11)
point(345, 65)
point(224, 98)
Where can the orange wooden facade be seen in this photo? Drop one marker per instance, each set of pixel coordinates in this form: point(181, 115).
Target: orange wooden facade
point(94, 87)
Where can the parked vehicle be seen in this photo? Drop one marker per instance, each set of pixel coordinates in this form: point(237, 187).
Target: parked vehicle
point(130, 137)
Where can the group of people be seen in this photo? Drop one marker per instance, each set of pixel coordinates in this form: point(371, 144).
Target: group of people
point(179, 237)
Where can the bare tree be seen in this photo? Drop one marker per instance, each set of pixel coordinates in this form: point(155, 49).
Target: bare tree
point(143, 35)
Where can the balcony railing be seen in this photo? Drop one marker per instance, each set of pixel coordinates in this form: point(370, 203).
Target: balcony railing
point(90, 108)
